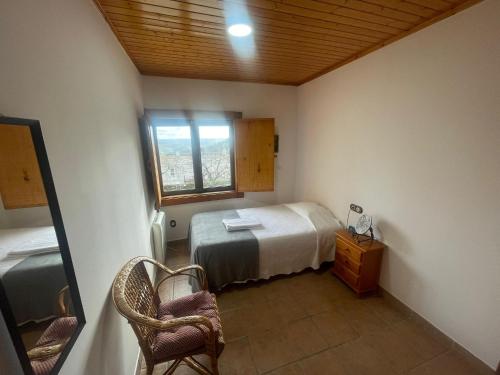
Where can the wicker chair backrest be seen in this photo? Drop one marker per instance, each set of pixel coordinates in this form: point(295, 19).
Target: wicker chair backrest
point(135, 299)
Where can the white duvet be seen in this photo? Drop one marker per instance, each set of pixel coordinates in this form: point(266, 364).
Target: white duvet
point(293, 237)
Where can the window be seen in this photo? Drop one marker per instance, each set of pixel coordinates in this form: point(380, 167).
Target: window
point(196, 156)
point(194, 152)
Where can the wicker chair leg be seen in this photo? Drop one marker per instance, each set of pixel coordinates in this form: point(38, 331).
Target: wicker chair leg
point(197, 366)
point(173, 366)
point(215, 364)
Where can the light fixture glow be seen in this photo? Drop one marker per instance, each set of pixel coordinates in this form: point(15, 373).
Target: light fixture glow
point(239, 30)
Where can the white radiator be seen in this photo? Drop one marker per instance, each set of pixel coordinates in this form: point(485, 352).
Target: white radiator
point(160, 237)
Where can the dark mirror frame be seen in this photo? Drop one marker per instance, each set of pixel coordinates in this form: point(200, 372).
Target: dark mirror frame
point(43, 161)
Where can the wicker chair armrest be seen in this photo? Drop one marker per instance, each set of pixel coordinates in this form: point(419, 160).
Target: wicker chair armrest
point(163, 325)
point(45, 351)
point(200, 274)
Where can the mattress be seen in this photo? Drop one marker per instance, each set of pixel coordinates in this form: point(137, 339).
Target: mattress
point(292, 237)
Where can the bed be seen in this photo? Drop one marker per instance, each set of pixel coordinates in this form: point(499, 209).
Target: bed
point(291, 238)
point(31, 272)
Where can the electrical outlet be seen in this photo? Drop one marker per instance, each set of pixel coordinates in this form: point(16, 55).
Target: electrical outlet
point(356, 208)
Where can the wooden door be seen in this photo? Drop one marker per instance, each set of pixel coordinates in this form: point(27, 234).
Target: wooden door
point(254, 154)
point(21, 183)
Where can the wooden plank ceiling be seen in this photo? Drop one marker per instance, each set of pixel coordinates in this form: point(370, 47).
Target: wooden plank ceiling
point(293, 41)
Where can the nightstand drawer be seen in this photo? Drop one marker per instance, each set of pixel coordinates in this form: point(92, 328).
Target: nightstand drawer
point(348, 276)
point(348, 250)
point(347, 262)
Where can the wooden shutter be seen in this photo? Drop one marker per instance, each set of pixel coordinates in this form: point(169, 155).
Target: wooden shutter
point(21, 183)
point(254, 154)
point(151, 159)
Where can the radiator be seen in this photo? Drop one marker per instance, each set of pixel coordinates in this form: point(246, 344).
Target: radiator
point(160, 237)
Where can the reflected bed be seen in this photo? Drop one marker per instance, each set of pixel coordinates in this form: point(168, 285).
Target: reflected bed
point(32, 272)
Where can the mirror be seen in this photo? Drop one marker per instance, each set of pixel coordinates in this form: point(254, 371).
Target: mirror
point(39, 296)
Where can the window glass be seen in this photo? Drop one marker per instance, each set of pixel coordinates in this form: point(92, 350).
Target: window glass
point(215, 148)
point(176, 157)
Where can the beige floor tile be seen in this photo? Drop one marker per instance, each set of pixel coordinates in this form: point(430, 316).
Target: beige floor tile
point(277, 288)
point(303, 282)
point(423, 341)
point(360, 317)
point(177, 261)
point(177, 255)
point(321, 287)
point(314, 302)
point(234, 297)
point(449, 363)
point(339, 291)
point(263, 316)
point(305, 337)
point(358, 358)
point(228, 300)
point(234, 325)
point(399, 352)
point(271, 350)
point(292, 369)
point(278, 347)
point(319, 282)
point(236, 359)
point(382, 308)
point(285, 310)
point(259, 317)
point(321, 364)
point(336, 287)
point(334, 328)
point(178, 245)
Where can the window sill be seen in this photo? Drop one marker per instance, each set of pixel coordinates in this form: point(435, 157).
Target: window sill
point(201, 197)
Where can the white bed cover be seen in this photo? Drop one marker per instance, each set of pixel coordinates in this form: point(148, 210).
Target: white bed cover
point(293, 237)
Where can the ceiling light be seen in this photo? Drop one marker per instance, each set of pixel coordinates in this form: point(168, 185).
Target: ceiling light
point(239, 30)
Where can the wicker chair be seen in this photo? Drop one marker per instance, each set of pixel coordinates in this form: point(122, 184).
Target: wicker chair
point(169, 331)
point(51, 343)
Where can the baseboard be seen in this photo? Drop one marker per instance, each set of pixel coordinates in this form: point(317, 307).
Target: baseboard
point(481, 367)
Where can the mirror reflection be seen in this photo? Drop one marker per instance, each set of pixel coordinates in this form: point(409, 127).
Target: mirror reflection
point(31, 266)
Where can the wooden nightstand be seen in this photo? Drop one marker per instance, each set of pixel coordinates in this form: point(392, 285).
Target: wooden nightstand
point(357, 264)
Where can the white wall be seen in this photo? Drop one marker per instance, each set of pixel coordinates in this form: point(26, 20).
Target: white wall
point(24, 217)
point(412, 134)
point(254, 100)
point(62, 65)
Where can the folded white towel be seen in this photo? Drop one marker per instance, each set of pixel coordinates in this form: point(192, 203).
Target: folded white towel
point(240, 224)
point(25, 253)
point(22, 242)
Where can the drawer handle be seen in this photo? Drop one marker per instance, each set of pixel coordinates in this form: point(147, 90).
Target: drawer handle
point(346, 261)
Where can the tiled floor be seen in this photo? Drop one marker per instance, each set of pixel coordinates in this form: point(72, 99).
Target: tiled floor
point(311, 323)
